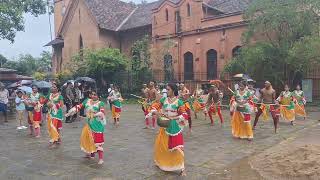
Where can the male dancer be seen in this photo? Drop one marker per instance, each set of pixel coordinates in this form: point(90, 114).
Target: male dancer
point(152, 97)
point(184, 96)
point(214, 103)
point(268, 96)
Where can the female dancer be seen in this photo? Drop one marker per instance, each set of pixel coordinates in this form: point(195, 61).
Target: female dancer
point(241, 109)
point(55, 116)
point(286, 105)
point(168, 148)
point(300, 102)
point(92, 138)
point(116, 100)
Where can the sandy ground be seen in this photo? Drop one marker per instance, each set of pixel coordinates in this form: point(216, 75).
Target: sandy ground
point(297, 158)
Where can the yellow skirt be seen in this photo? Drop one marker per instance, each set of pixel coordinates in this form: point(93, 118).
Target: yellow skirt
point(287, 114)
point(52, 130)
point(300, 110)
point(241, 129)
point(114, 113)
point(87, 144)
point(167, 160)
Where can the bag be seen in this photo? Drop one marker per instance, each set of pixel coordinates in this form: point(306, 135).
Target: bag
point(163, 121)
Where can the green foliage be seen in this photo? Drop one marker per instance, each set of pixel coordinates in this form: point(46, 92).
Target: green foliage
point(141, 54)
point(3, 60)
point(39, 76)
point(11, 15)
point(28, 65)
point(282, 40)
point(99, 63)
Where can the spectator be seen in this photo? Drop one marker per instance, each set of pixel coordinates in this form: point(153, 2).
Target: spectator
point(4, 99)
point(69, 99)
point(20, 107)
point(77, 96)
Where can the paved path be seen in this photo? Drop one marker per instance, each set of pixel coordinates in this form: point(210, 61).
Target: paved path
point(211, 152)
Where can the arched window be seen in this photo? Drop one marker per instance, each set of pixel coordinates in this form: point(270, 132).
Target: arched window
point(168, 69)
point(188, 10)
point(167, 15)
point(212, 64)
point(236, 51)
point(188, 66)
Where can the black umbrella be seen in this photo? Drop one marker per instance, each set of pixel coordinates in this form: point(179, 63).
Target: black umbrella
point(85, 79)
point(42, 84)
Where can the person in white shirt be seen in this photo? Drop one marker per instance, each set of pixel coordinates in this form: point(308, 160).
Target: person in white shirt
point(164, 92)
point(110, 93)
point(4, 99)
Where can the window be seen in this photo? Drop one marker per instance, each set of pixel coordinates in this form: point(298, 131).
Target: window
point(212, 64)
point(167, 15)
point(188, 10)
point(236, 51)
point(168, 68)
point(188, 66)
point(154, 20)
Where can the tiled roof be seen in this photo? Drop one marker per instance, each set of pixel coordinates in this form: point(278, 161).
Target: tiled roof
point(109, 14)
point(117, 15)
point(142, 16)
point(228, 6)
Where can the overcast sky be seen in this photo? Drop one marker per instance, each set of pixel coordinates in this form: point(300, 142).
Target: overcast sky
point(32, 40)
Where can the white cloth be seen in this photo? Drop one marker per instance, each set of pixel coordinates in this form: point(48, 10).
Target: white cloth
point(4, 96)
point(164, 92)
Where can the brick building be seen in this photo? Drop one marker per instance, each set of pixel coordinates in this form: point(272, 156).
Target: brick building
point(204, 33)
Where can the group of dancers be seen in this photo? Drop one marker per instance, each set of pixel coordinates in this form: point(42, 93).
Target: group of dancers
point(171, 110)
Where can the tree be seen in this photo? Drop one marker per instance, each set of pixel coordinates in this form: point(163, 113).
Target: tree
point(141, 54)
point(27, 64)
point(100, 63)
point(3, 60)
point(11, 15)
point(281, 40)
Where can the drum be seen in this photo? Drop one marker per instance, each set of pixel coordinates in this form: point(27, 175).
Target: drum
point(163, 121)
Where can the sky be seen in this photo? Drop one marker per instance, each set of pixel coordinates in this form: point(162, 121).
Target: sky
point(31, 41)
point(34, 37)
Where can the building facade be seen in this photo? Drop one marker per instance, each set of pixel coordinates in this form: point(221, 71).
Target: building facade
point(192, 39)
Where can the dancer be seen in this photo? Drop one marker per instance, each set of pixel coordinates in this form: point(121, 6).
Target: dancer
point(184, 95)
point(268, 100)
point(34, 111)
point(199, 103)
point(116, 100)
point(169, 144)
point(287, 106)
point(152, 99)
point(92, 138)
point(241, 110)
point(55, 116)
point(300, 102)
point(214, 103)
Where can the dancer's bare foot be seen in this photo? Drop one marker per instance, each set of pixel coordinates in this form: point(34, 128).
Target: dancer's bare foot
point(183, 173)
point(100, 162)
point(146, 127)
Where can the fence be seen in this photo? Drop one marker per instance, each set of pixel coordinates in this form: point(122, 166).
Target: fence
point(131, 82)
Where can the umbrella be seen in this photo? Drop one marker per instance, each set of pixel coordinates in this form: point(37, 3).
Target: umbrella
point(86, 79)
point(26, 89)
point(72, 81)
point(241, 76)
point(26, 82)
point(42, 84)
